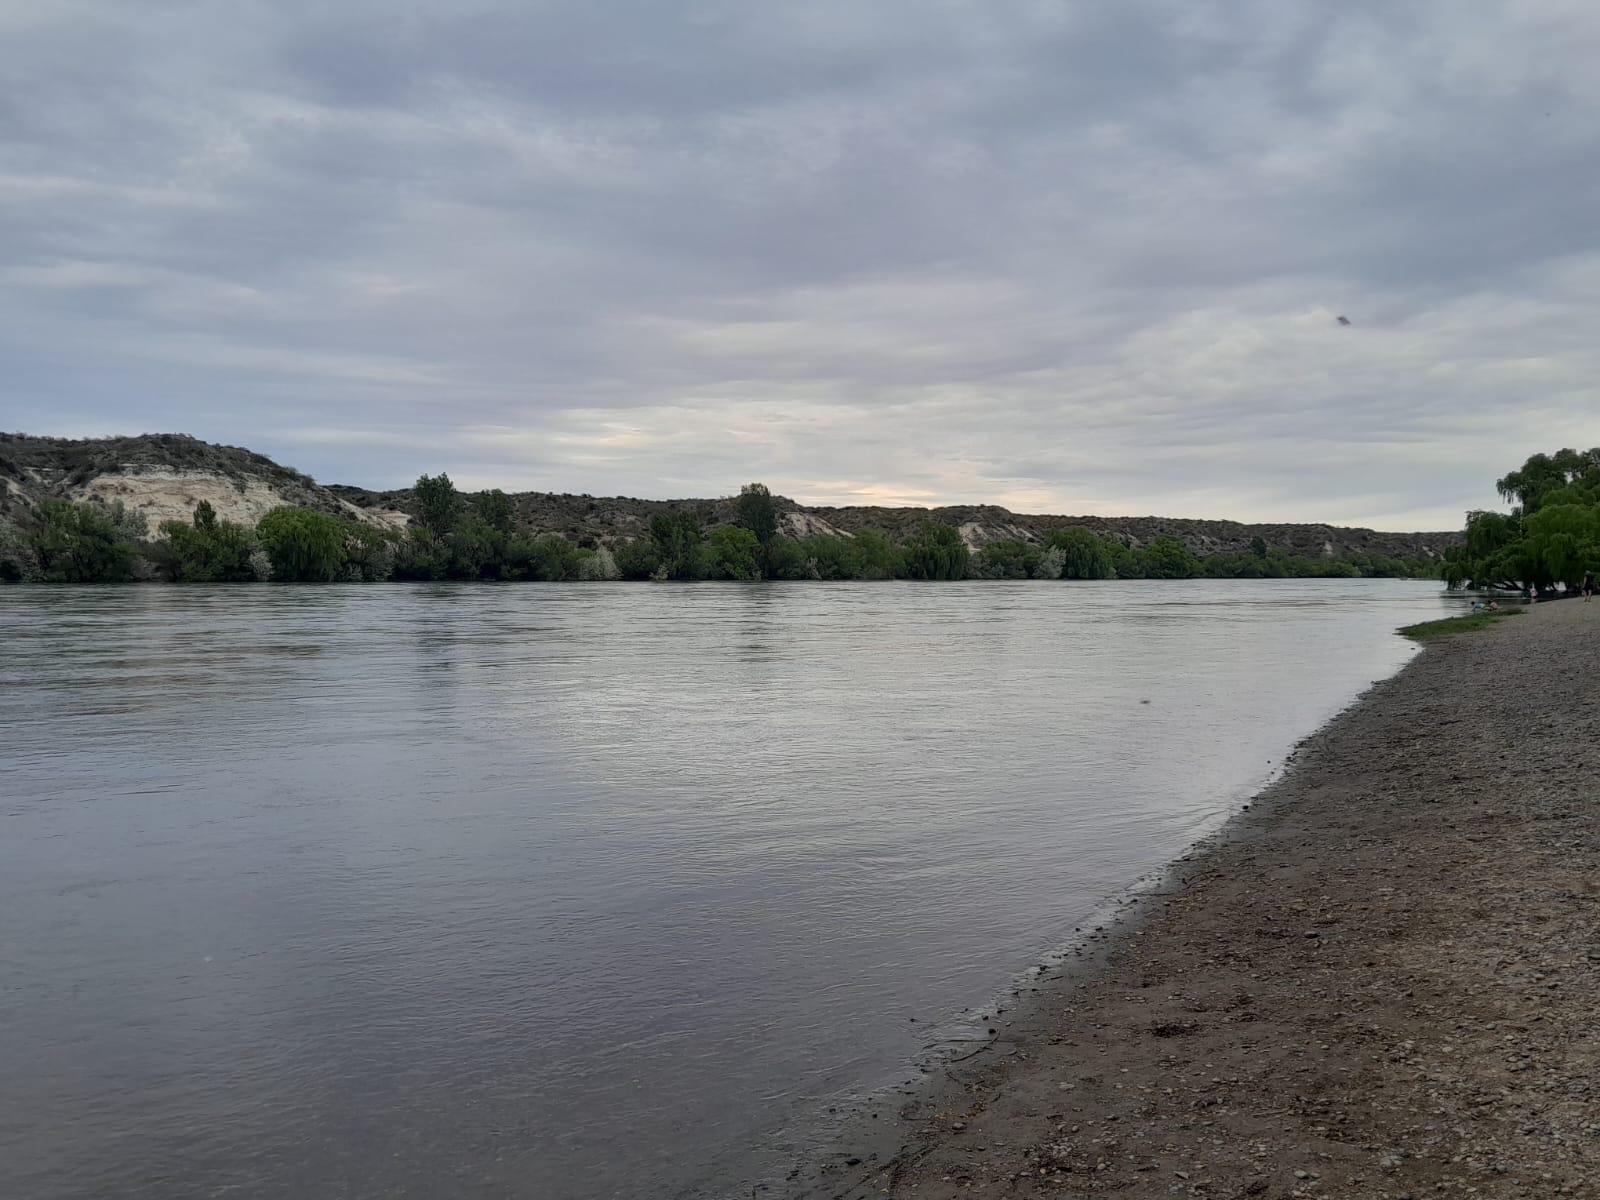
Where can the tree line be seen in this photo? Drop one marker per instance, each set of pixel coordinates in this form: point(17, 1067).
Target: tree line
point(1550, 537)
point(458, 536)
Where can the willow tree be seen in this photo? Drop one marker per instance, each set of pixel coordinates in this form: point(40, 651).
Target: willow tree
point(305, 546)
point(936, 552)
point(1551, 536)
point(1084, 555)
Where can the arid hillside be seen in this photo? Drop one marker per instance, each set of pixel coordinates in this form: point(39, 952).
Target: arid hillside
point(980, 524)
point(163, 476)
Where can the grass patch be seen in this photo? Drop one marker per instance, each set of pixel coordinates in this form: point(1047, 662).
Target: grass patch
point(1464, 624)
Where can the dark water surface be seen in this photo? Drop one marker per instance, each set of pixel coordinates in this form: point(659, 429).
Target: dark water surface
point(578, 891)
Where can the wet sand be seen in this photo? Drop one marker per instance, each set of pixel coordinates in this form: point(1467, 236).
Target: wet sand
point(1382, 980)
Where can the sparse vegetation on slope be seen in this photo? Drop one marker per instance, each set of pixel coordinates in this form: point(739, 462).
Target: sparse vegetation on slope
point(160, 477)
point(219, 513)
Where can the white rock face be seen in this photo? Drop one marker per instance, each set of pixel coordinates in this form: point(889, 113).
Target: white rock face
point(797, 524)
point(171, 495)
point(977, 535)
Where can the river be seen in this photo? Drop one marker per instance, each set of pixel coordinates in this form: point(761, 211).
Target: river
point(572, 891)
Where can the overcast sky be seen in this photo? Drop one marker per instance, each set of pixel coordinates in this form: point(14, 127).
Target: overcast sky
point(1063, 256)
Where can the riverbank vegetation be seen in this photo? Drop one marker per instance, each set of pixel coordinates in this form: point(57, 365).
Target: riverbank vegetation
point(460, 536)
point(1427, 630)
point(1551, 536)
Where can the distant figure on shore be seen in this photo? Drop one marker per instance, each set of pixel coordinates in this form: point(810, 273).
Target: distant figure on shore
point(1588, 585)
point(1493, 606)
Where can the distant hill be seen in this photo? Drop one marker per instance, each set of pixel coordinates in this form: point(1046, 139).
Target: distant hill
point(164, 475)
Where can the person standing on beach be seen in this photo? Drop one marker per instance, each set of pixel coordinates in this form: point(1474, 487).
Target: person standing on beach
point(1588, 585)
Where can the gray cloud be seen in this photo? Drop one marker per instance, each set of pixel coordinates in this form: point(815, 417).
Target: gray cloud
point(1072, 257)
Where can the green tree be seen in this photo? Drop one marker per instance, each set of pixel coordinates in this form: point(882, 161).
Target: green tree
point(477, 549)
point(1168, 558)
point(1547, 539)
point(547, 559)
point(835, 557)
point(305, 546)
point(1010, 558)
point(370, 553)
point(758, 512)
point(208, 550)
point(438, 502)
point(421, 554)
point(495, 510)
point(1235, 566)
point(1491, 552)
point(1052, 561)
point(637, 559)
point(1258, 547)
point(1488, 533)
point(1563, 542)
point(677, 544)
point(733, 552)
point(880, 557)
point(1085, 555)
point(85, 543)
point(786, 558)
point(936, 552)
point(1532, 485)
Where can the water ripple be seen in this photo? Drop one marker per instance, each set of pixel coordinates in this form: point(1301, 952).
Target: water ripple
point(578, 891)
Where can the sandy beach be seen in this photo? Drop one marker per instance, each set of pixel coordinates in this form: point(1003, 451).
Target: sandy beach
point(1381, 980)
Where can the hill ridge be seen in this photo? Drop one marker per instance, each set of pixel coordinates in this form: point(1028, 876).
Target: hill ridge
point(164, 475)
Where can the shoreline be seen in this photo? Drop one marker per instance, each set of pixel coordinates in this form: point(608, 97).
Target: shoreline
point(1373, 981)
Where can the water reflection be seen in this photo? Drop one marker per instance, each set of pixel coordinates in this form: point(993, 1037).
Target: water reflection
point(539, 891)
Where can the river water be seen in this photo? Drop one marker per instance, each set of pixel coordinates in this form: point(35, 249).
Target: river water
point(579, 891)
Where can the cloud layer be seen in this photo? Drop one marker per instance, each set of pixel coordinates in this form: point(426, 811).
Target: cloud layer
point(1062, 256)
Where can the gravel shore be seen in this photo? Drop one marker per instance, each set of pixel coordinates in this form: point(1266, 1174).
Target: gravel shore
point(1383, 980)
